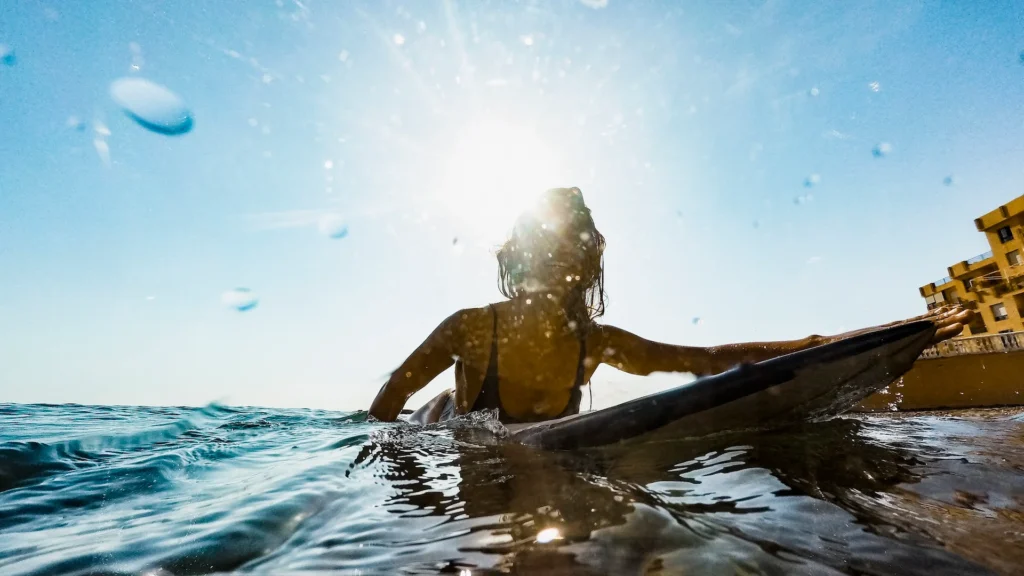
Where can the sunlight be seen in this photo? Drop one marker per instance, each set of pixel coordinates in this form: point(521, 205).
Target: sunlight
point(495, 170)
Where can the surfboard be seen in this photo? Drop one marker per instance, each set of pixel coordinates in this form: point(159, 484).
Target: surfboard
point(812, 384)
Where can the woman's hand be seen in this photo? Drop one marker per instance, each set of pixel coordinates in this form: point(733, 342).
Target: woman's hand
point(949, 322)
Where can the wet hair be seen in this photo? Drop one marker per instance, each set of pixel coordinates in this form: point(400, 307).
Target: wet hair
point(586, 300)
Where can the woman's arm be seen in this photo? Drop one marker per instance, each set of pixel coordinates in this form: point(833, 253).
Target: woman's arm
point(432, 357)
point(635, 355)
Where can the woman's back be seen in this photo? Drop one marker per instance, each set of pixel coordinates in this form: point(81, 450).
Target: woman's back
point(521, 356)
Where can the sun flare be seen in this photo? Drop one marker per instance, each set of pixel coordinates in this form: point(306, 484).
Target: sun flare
point(494, 171)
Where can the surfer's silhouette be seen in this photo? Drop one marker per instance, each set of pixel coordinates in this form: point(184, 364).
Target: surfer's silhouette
point(528, 356)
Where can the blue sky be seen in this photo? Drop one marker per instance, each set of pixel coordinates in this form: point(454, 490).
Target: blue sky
point(691, 130)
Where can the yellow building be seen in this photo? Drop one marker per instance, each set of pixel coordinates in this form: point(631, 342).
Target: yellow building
point(991, 283)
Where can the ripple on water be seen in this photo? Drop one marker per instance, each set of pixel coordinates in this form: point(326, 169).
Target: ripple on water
point(269, 491)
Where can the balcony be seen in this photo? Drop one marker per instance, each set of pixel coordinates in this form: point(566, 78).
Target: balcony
point(971, 264)
point(988, 344)
point(979, 258)
point(942, 281)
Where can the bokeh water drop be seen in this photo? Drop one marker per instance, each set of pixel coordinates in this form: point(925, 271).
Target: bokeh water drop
point(152, 106)
point(7, 56)
point(948, 180)
point(398, 39)
point(881, 150)
point(697, 321)
point(102, 150)
point(76, 123)
point(241, 299)
point(333, 226)
point(812, 180)
point(137, 59)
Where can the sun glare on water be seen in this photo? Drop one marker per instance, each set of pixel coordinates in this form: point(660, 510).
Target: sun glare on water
point(494, 171)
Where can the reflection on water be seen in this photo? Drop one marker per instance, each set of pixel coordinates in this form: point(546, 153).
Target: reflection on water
point(183, 491)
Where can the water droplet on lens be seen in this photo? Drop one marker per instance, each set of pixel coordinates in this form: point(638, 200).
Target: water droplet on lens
point(697, 321)
point(7, 56)
point(948, 180)
point(526, 39)
point(421, 26)
point(398, 39)
point(875, 86)
point(814, 91)
point(881, 149)
point(811, 180)
point(585, 236)
point(328, 164)
point(333, 226)
point(76, 124)
point(152, 106)
point(343, 55)
point(241, 299)
point(102, 150)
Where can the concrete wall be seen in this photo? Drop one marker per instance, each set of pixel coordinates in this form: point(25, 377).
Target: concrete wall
point(967, 381)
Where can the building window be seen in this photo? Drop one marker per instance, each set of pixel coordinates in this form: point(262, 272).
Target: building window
point(999, 311)
point(1005, 235)
point(1015, 258)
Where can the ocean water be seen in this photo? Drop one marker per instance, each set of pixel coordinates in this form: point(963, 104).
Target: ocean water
point(174, 491)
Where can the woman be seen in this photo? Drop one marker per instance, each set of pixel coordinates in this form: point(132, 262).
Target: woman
point(529, 356)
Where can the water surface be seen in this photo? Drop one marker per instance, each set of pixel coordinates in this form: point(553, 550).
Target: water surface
point(173, 491)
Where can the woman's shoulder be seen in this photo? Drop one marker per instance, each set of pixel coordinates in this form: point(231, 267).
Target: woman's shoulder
point(468, 321)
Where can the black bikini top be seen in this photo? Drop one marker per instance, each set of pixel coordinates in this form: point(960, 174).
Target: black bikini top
point(489, 399)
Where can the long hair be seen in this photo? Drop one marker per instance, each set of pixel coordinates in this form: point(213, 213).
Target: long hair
point(586, 299)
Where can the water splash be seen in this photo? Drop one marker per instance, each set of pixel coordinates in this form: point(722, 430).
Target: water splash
point(152, 106)
point(241, 299)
